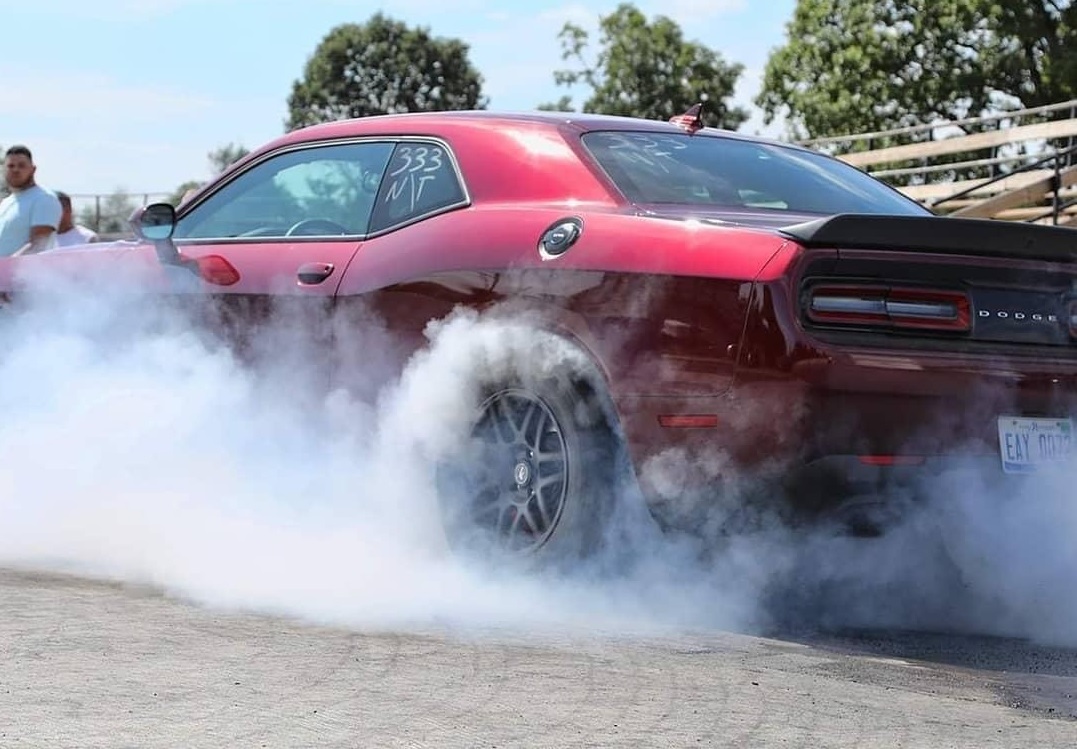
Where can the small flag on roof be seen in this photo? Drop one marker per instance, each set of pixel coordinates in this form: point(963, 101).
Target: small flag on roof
point(692, 120)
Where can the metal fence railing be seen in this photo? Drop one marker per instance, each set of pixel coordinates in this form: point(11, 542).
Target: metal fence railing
point(1018, 165)
point(107, 213)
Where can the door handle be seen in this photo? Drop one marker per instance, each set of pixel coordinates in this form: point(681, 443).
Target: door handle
point(314, 273)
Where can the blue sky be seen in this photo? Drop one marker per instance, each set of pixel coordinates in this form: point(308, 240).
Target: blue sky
point(132, 94)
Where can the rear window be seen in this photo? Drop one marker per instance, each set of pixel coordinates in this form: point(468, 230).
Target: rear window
point(730, 173)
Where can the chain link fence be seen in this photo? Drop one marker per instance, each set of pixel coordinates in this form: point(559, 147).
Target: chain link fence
point(107, 213)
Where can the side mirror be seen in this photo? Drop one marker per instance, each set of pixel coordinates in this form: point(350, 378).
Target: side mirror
point(154, 222)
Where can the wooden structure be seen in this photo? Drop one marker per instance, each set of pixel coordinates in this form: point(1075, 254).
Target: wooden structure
point(1018, 165)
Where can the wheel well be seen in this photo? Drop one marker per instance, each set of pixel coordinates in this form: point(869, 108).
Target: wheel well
point(591, 383)
point(591, 386)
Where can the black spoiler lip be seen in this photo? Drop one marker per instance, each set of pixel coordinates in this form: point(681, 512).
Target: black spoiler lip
point(942, 234)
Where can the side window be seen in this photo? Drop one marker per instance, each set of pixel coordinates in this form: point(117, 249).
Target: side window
point(325, 190)
point(420, 180)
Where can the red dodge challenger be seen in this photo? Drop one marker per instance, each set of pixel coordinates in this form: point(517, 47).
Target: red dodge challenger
point(710, 311)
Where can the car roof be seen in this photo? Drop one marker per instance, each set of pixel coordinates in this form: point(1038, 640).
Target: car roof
point(580, 121)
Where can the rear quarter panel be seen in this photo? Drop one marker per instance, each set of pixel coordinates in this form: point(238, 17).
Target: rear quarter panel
point(660, 304)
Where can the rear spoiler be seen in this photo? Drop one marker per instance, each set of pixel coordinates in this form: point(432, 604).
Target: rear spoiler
point(959, 236)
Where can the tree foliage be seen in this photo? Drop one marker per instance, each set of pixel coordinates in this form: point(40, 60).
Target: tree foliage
point(223, 157)
point(1037, 49)
point(383, 67)
point(177, 195)
point(109, 216)
point(219, 159)
point(647, 69)
point(853, 66)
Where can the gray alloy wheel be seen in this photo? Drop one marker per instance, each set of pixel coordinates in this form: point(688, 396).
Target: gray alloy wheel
point(521, 482)
point(536, 478)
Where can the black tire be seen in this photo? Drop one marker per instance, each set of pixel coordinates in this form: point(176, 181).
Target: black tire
point(537, 479)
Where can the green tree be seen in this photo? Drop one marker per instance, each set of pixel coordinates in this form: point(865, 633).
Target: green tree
point(851, 66)
point(383, 67)
point(1036, 46)
point(219, 159)
point(109, 216)
point(647, 69)
point(223, 157)
point(564, 104)
point(177, 195)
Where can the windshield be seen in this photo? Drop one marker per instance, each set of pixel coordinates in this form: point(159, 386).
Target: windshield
point(730, 173)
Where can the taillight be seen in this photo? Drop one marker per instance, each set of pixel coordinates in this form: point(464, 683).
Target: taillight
point(886, 306)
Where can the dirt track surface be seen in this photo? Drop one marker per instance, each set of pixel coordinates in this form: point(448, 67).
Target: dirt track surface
point(87, 664)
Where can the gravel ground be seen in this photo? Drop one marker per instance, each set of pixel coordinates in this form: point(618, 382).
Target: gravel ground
point(90, 664)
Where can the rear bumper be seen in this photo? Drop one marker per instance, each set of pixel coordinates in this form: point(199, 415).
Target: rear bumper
point(887, 407)
point(823, 484)
point(888, 403)
point(842, 426)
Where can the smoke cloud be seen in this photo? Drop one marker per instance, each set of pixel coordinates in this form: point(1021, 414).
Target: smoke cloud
point(139, 447)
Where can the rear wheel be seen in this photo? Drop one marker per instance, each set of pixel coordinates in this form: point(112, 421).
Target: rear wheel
point(536, 480)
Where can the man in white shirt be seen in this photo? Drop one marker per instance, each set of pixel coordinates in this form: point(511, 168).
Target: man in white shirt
point(30, 214)
point(68, 233)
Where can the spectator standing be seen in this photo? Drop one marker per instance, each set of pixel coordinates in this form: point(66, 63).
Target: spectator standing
point(69, 233)
point(30, 214)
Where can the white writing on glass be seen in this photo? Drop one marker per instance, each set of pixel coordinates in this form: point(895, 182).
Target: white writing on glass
point(645, 149)
point(417, 165)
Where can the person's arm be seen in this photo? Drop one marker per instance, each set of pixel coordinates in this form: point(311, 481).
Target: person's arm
point(40, 237)
point(44, 218)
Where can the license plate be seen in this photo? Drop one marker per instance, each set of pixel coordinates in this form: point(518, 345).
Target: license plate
point(1026, 444)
